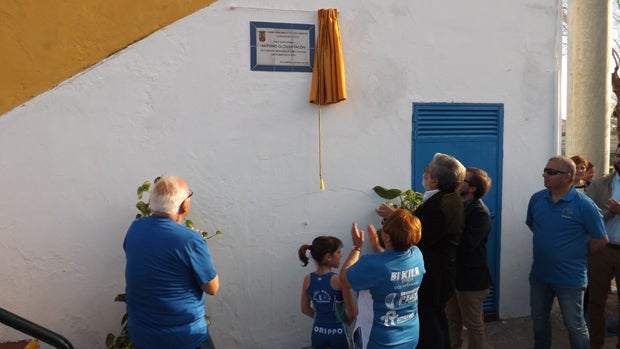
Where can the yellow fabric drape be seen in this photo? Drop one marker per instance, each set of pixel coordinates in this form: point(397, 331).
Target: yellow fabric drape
point(328, 84)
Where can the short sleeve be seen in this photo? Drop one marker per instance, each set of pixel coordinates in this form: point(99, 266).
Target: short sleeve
point(200, 261)
point(529, 220)
point(362, 275)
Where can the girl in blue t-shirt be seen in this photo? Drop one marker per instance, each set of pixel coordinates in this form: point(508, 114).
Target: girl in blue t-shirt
point(321, 295)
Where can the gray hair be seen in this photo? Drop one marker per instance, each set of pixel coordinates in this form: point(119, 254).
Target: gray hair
point(448, 171)
point(567, 164)
point(167, 195)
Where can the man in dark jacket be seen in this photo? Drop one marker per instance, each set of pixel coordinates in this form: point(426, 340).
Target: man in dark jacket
point(472, 272)
point(441, 215)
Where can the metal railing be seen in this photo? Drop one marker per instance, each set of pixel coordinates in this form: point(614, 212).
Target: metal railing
point(37, 331)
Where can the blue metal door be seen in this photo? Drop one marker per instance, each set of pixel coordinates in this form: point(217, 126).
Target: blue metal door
point(473, 134)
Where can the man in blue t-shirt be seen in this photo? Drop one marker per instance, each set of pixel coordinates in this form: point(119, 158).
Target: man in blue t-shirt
point(169, 268)
point(567, 226)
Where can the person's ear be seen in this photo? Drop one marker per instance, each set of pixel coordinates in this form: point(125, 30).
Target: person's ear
point(184, 208)
point(386, 238)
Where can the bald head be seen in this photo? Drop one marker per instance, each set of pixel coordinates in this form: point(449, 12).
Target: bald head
point(168, 195)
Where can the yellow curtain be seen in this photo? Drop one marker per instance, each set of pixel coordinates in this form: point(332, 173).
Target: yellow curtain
point(328, 85)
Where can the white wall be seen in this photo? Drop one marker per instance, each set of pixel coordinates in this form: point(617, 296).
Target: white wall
point(184, 101)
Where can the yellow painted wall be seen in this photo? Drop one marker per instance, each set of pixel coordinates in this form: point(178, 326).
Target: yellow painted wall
point(44, 42)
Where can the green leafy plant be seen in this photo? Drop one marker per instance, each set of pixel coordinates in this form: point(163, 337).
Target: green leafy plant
point(409, 199)
point(122, 340)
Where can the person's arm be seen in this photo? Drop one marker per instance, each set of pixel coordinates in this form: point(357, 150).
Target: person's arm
point(612, 208)
point(212, 286)
point(477, 227)
point(595, 226)
point(373, 239)
point(347, 297)
point(598, 244)
point(357, 237)
point(305, 300)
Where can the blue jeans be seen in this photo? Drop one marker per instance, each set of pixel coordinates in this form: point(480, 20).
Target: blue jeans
point(570, 299)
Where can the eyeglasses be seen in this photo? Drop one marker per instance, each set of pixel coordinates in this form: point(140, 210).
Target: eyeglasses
point(552, 172)
point(190, 195)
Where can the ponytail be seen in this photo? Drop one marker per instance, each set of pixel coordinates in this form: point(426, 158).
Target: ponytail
point(302, 253)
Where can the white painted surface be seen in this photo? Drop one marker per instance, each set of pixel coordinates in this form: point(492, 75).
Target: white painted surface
point(184, 101)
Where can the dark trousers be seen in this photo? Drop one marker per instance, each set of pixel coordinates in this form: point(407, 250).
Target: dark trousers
point(433, 327)
point(602, 267)
point(436, 289)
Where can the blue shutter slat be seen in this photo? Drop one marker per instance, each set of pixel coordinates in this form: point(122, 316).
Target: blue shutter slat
point(456, 119)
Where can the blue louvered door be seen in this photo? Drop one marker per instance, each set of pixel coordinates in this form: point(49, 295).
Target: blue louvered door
point(473, 134)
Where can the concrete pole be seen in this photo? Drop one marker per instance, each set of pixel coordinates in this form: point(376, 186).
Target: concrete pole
point(589, 81)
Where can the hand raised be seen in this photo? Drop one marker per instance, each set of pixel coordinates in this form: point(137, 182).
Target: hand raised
point(373, 238)
point(385, 210)
point(613, 206)
point(357, 236)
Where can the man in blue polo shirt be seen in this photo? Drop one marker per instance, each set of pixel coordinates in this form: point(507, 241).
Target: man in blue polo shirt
point(169, 269)
point(567, 226)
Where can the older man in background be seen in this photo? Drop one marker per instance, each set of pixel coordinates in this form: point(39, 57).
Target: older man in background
point(169, 269)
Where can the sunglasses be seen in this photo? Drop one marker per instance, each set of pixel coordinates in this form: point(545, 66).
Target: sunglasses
point(552, 172)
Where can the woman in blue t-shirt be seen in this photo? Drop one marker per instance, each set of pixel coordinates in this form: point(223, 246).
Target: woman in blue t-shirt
point(392, 276)
point(321, 295)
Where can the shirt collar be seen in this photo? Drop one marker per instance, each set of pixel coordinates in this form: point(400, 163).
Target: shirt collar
point(429, 193)
point(567, 197)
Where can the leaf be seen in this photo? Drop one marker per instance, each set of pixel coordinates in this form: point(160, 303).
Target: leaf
point(144, 208)
point(109, 340)
point(387, 193)
point(206, 235)
point(143, 188)
point(120, 297)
